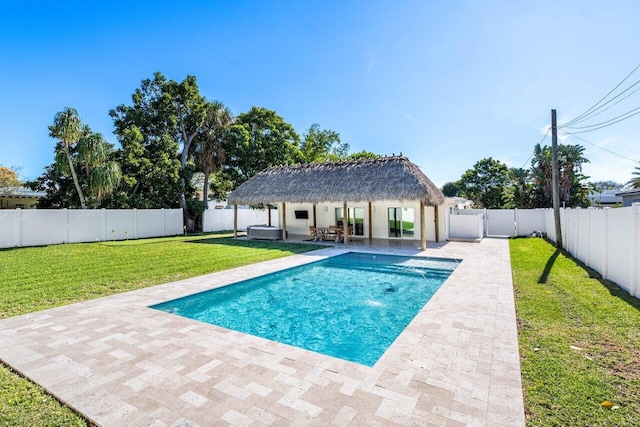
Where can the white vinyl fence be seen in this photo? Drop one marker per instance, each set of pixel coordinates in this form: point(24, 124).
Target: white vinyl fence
point(222, 219)
point(37, 227)
point(466, 227)
point(607, 240)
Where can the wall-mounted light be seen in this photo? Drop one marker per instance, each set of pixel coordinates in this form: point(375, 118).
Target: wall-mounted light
point(326, 208)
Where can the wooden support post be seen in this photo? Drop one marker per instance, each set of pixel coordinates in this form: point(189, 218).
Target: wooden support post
point(284, 221)
point(269, 214)
point(345, 223)
point(437, 221)
point(314, 216)
point(423, 228)
point(370, 222)
point(235, 220)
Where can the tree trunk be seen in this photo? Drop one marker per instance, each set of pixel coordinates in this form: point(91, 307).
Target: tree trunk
point(205, 191)
point(75, 177)
point(183, 184)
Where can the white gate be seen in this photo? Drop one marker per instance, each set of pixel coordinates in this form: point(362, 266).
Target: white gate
point(500, 222)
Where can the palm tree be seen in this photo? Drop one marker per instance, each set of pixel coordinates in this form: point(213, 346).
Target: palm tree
point(209, 152)
point(104, 176)
point(67, 127)
point(635, 181)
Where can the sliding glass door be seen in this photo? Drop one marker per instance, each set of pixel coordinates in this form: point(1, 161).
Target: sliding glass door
point(401, 223)
point(355, 217)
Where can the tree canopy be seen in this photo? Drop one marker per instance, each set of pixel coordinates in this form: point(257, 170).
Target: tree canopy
point(260, 138)
point(150, 135)
point(168, 133)
point(491, 184)
point(8, 180)
point(485, 183)
point(320, 145)
point(84, 171)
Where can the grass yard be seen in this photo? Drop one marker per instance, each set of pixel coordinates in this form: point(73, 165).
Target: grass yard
point(579, 341)
point(38, 278)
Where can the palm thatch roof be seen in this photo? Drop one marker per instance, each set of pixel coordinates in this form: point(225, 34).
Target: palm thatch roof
point(384, 178)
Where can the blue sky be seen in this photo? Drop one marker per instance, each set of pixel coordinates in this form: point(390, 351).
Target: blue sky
point(444, 82)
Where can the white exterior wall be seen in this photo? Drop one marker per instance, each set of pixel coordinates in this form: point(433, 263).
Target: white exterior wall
point(325, 216)
point(37, 227)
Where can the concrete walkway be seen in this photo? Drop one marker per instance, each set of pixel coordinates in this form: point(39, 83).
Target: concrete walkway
point(120, 363)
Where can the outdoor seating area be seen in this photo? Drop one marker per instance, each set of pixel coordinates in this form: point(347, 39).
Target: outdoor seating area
point(333, 232)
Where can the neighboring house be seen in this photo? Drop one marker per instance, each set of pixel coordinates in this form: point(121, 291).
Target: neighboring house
point(605, 198)
point(23, 198)
point(629, 196)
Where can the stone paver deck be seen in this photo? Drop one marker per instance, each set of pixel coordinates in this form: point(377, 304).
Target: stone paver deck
point(120, 363)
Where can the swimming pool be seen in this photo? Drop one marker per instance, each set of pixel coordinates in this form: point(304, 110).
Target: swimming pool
point(352, 306)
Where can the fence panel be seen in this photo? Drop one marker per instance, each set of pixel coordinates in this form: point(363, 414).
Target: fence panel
point(618, 246)
point(530, 220)
point(41, 227)
point(9, 228)
point(467, 227)
point(583, 232)
point(36, 227)
point(85, 225)
point(149, 223)
point(597, 245)
point(173, 223)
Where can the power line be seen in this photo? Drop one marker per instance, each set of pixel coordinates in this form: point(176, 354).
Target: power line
point(602, 99)
point(605, 122)
point(609, 124)
point(602, 148)
point(594, 113)
point(541, 141)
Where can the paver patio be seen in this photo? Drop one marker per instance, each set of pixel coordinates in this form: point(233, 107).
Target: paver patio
point(118, 362)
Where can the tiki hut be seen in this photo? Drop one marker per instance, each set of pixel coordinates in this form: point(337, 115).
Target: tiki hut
point(352, 181)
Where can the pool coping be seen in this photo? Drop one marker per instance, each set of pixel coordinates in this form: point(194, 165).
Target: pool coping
point(118, 362)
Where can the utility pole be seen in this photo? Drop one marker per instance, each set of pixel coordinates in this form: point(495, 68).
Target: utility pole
point(555, 179)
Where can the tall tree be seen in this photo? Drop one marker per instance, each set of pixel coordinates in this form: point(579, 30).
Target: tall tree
point(517, 194)
point(97, 173)
point(572, 186)
point(209, 145)
point(634, 182)
point(189, 110)
point(484, 183)
point(150, 135)
point(259, 139)
point(67, 127)
point(319, 145)
point(103, 173)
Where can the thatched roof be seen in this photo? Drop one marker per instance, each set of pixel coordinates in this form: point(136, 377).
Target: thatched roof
point(385, 178)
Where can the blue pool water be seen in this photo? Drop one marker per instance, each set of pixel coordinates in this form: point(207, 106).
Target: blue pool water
point(351, 306)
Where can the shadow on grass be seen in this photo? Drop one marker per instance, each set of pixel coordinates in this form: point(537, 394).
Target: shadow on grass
point(258, 244)
point(614, 289)
point(547, 268)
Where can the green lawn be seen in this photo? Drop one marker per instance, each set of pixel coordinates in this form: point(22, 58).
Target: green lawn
point(579, 341)
point(43, 277)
